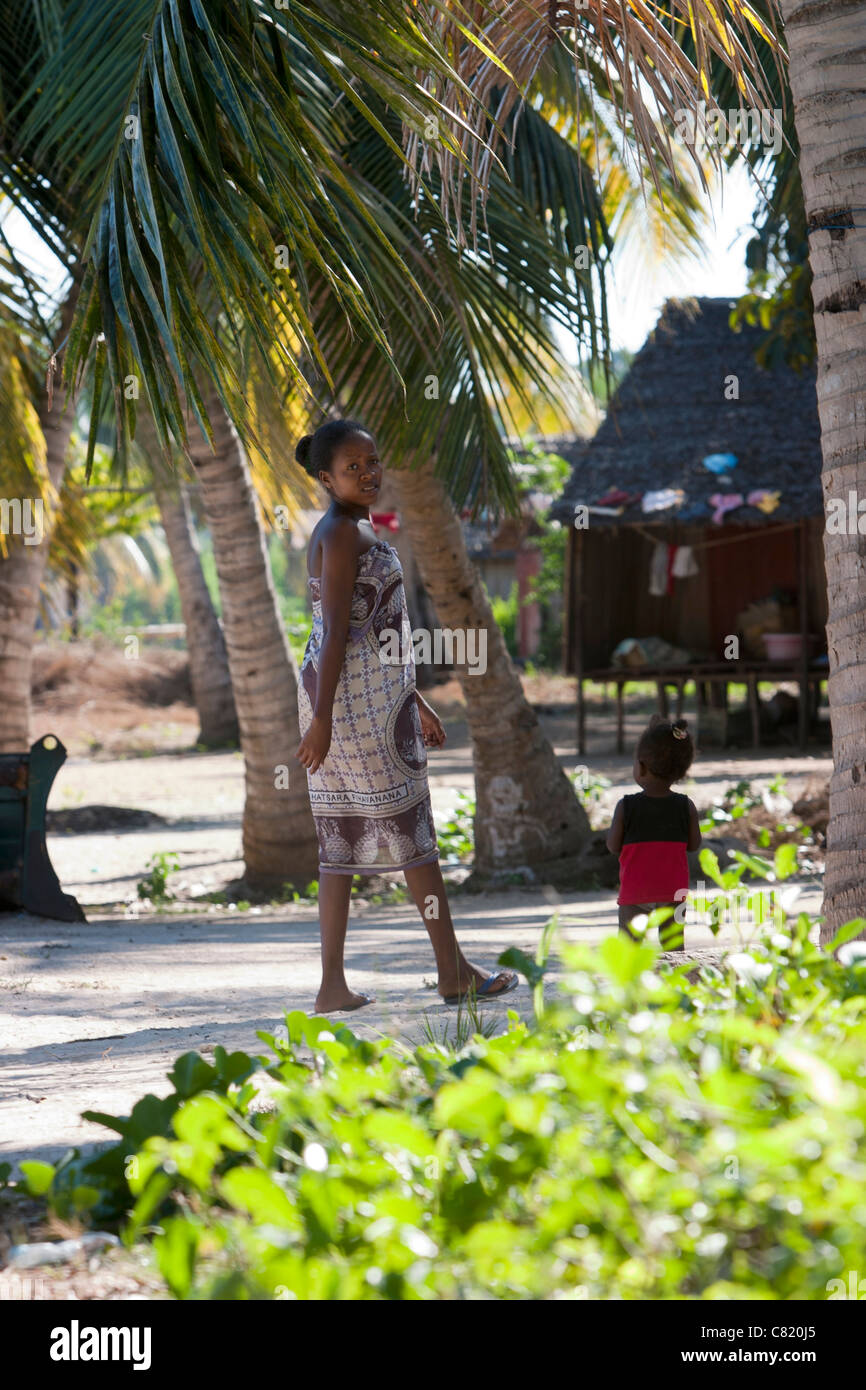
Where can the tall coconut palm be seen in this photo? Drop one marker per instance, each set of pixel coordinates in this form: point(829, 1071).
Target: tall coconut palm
point(210, 677)
point(825, 47)
point(465, 383)
point(34, 452)
point(279, 841)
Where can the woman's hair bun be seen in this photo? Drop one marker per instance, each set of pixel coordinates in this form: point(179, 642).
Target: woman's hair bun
point(680, 728)
point(302, 451)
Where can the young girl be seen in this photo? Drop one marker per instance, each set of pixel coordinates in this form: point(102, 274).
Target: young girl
point(364, 726)
point(653, 829)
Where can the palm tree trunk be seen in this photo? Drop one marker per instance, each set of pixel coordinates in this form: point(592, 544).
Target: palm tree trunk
point(279, 840)
point(22, 572)
point(825, 43)
point(208, 662)
point(527, 814)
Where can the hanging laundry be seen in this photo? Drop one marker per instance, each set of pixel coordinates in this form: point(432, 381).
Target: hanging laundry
point(720, 463)
point(672, 550)
point(658, 581)
point(693, 511)
point(765, 501)
point(725, 502)
point(684, 562)
point(662, 498)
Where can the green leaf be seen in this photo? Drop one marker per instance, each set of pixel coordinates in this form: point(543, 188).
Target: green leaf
point(709, 862)
point(38, 1176)
point(756, 865)
point(399, 1131)
point(625, 960)
point(519, 960)
point(785, 861)
point(191, 1074)
point(176, 1249)
point(260, 1196)
point(846, 933)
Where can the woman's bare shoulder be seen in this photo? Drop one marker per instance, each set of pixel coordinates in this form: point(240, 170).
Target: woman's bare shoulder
point(335, 536)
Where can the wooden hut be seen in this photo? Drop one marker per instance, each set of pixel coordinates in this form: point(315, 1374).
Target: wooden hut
point(692, 395)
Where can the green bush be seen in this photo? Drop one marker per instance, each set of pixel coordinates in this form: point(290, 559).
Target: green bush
point(456, 837)
point(505, 613)
point(645, 1136)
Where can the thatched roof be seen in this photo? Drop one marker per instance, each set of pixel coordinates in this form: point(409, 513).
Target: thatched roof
point(670, 411)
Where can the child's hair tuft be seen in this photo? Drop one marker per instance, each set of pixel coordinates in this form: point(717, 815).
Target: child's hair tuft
point(665, 748)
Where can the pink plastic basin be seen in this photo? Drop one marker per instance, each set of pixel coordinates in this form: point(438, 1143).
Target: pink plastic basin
point(783, 646)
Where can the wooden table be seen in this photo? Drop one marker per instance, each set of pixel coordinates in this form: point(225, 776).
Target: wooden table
point(711, 682)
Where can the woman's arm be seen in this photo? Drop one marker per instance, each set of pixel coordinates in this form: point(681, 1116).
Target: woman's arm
point(339, 569)
point(431, 724)
point(617, 829)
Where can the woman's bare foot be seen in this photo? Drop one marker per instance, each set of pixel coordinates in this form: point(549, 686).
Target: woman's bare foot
point(468, 977)
point(337, 1000)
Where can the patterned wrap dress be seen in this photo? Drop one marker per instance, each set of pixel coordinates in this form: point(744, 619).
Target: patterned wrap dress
point(370, 797)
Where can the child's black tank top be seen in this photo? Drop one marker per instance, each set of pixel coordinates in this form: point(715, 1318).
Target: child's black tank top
point(655, 817)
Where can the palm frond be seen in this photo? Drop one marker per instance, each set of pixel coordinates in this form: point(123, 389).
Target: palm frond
point(634, 44)
point(193, 158)
point(491, 356)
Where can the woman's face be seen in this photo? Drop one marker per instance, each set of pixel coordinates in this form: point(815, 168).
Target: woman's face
point(356, 471)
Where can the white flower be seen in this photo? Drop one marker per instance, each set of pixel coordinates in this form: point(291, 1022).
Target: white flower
point(315, 1157)
point(851, 952)
point(639, 1022)
point(748, 968)
point(712, 1244)
point(419, 1243)
point(788, 896)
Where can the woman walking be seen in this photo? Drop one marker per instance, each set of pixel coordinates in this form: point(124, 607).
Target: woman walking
point(365, 728)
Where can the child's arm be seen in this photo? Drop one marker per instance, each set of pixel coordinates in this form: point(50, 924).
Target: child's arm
point(617, 829)
point(694, 828)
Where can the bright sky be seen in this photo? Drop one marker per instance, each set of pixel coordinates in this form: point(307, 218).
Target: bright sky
point(637, 291)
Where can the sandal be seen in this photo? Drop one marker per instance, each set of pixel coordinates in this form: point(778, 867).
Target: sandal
point(484, 990)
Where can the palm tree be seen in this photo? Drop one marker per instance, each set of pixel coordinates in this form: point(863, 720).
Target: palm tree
point(279, 840)
point(825, 48)
point(210, 677)
point(34, 449)
point(494, 345)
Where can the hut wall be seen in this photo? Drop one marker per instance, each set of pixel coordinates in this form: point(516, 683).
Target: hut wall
point(618, 604)
point(702, 610)
point(753, 568)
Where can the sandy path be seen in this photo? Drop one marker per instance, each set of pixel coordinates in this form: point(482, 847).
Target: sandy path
point(94, 1014)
